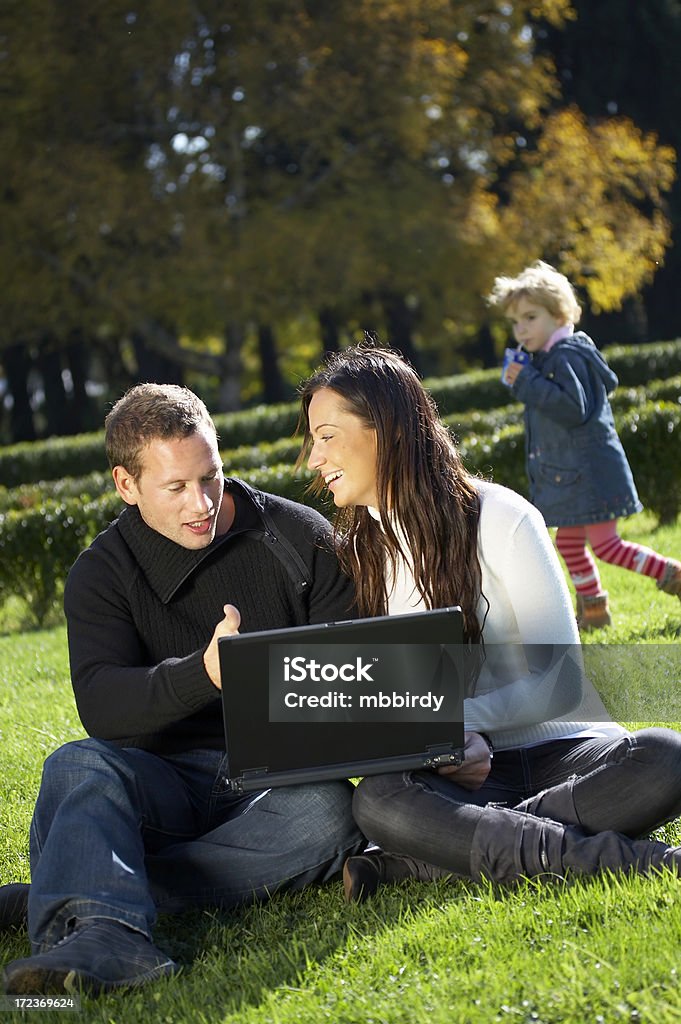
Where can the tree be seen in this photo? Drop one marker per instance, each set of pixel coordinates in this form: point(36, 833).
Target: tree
point(344, 151)
point(80, 116)
point(622, 57)
point(177, 180)
point(589, 199)
point(391, 151)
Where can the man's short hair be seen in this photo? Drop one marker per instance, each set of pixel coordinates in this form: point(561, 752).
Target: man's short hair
point(148, 412)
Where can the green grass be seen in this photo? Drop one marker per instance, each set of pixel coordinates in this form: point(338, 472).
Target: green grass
point(598, 950)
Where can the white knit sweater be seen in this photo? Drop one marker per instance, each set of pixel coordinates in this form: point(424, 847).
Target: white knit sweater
point(517, 697)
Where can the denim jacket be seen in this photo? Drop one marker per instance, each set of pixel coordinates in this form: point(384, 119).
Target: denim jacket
point(577, 468)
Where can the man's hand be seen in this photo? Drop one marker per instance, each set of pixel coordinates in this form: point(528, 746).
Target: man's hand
point(476, 765)
point(228, 626)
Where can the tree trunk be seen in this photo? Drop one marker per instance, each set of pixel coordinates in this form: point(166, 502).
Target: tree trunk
point(114, 371)
point(50, 365)
point(82, 411)
point(485, 347)
point(153, 365)
point(663, 297)
point(230, 384)
point(400, 320)
point(626, 326)
point(17, 363)
point(329, 330)
point(274, 389)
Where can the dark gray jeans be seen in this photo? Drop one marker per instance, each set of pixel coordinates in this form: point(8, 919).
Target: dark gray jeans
point(629, 785)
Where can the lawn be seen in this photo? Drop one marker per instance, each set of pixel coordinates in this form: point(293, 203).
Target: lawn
point(601, 950)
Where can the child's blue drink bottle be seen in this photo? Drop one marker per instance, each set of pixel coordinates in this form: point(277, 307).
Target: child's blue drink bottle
point(513, 355)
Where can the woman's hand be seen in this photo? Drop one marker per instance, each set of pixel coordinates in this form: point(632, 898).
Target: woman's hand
point(476, 765)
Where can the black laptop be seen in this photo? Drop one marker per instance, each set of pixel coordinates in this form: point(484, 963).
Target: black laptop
point(343, 699)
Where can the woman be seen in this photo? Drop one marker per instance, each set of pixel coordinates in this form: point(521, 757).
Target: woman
point(536, 793)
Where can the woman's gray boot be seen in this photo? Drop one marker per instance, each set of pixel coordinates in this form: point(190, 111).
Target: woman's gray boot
point(509, 845)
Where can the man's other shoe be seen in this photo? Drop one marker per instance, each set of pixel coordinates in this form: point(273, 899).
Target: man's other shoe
point(97, 956)
point(13, 905)
point(363, 874)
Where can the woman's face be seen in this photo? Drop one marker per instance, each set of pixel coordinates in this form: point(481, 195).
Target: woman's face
point(343, 450)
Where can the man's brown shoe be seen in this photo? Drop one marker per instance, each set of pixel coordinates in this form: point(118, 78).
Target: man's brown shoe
point(363, 874)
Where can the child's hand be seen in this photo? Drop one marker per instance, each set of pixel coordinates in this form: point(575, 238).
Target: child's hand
point(512, 371)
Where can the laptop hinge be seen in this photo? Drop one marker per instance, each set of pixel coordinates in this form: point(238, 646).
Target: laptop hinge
point(442, 754)
point(237, 784)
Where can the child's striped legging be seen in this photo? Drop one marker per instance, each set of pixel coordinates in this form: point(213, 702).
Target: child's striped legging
point(607, 545)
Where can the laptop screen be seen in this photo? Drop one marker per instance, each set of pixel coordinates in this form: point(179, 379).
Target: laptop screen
point(342, 699)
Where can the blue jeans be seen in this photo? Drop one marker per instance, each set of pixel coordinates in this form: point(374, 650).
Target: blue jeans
point(121, 833)
point(630, 785)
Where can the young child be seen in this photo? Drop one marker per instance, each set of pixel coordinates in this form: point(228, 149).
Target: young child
point(578, 472)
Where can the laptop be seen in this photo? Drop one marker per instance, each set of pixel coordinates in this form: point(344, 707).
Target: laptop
point(343, 699)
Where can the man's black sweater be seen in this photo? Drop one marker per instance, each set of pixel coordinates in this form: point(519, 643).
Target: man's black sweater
point(141, 610)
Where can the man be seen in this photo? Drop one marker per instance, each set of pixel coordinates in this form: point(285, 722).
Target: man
point(138, 817)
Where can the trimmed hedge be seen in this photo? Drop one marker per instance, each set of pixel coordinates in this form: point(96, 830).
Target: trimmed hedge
point(667, 390)
point(471, 393)
point(499, 457)
point(252, 426)
point(636, 364)
point(482, 389)
point(484, 424)
point(57, 457)
point(38, 545)
point(652, 440)
point(624, 399)
point(94, 485)
point(29, 495)
point(651, 436)
point(285, 450)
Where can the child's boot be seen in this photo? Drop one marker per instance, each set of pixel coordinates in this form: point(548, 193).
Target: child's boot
point(592, 612)
point(671, 578)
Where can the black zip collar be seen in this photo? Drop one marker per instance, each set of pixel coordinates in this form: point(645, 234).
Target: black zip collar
point(167, 565)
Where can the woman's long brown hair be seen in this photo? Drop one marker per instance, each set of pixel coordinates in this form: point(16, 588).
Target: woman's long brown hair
point(421, 485)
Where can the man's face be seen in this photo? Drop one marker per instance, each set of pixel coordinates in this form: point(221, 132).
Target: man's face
point(180, 489)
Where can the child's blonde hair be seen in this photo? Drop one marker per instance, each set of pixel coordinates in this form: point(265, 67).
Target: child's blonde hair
point(541, 284)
